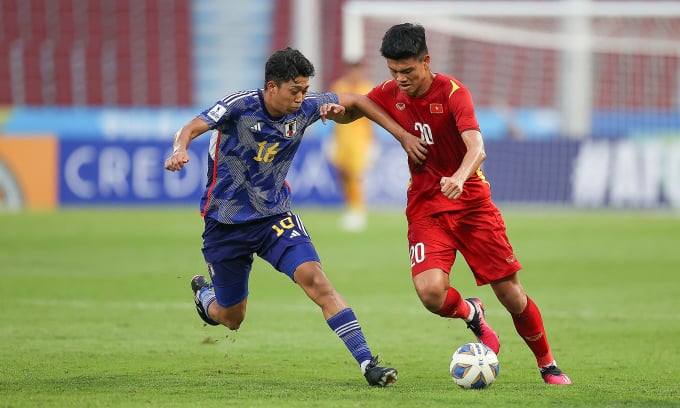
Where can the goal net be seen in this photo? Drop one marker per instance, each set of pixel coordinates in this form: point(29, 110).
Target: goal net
point(569, 77)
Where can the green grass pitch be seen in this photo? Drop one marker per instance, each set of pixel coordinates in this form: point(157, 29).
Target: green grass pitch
point(96, 311)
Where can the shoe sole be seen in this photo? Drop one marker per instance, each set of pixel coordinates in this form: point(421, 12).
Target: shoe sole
point(389, 377)
point(557, 380)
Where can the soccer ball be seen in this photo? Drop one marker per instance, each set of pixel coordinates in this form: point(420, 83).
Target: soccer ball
point(474, 366)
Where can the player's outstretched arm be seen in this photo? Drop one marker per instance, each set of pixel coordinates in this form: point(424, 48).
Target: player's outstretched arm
point(183, 137)
point(357, 106)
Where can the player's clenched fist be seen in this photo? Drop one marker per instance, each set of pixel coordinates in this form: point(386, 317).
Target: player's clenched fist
point(452, 188)
point(177, 160)
point(331, 111)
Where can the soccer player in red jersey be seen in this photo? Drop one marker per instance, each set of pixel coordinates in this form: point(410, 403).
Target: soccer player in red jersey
point(449, 207)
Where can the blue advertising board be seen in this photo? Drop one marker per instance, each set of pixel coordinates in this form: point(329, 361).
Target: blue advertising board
point(127, 172)
point(593, 173)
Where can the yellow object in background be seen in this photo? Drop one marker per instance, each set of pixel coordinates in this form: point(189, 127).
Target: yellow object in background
point(351, 150)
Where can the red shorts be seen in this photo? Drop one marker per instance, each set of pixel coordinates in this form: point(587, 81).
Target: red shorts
point(478, 233)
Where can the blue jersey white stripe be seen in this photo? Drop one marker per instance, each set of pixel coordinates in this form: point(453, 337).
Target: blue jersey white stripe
point(298, 222)
point(250, 155)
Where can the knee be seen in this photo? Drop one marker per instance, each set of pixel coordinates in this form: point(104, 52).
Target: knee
point(431, 287)
point(518, 303)
point(231, 318)
point(510, 294)
point(311, 278)
point(514, 299)
point(231, 322)
point(431, 304)
point(431, 296)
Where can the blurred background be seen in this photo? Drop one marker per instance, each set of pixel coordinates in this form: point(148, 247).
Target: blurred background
point(578, 100)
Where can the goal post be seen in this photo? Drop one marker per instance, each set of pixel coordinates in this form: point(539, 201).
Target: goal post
point(573, 57)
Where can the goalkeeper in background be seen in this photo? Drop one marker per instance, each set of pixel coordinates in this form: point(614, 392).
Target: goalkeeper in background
point(449, 207)
point(351, 150)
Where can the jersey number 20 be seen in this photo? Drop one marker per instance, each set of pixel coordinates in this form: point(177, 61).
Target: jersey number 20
point(417, 253)
point(425, 132)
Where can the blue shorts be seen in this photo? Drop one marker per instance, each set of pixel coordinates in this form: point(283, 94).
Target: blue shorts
point(228, 249)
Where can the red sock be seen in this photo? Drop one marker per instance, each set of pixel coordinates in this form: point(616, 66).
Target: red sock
point(529, 325)
point(454, 306)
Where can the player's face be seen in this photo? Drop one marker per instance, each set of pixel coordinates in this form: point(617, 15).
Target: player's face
point(412, 75)
point(287, 98)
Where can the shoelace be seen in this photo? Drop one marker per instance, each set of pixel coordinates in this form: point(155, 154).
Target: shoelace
point(552, 370)
point(373, 363)
point(473, 324)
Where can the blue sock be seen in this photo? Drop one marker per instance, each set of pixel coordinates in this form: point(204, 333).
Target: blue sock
point(346, 326)
point(206, 296)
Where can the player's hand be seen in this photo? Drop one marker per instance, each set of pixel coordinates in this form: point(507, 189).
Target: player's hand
point(415, 148)
point(331, 111)
point(177, 160)
point(451, 187)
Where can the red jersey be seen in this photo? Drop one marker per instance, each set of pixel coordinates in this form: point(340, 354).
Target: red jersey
point(439, 117)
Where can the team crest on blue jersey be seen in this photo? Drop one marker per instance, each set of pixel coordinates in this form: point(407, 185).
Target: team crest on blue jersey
point(289, 128)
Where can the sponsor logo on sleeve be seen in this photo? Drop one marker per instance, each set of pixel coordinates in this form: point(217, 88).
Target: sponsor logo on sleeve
point(216, 112)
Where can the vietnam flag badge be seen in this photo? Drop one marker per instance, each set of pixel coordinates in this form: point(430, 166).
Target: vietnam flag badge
point(436, 108)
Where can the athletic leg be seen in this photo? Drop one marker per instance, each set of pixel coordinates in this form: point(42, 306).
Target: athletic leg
point(225, 300)
point(529, 325)
point(310, 277)
point(211, 311)
point(231, 316)
point(525, 315)
point(435, 293)
point(440, 298)
point(289, 250)
point(342, 320)
point(228, 253)
point(433, 252)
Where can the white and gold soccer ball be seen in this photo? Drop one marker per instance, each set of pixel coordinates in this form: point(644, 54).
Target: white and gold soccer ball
point(474, 366)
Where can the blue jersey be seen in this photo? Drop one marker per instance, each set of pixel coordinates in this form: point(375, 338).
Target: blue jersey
point(250, 155)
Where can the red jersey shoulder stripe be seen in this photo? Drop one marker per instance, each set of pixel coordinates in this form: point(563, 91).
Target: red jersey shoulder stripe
point(385, 83)
point(454, 87)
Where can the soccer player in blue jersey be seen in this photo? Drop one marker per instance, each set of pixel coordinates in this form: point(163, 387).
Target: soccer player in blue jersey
point(246, 205)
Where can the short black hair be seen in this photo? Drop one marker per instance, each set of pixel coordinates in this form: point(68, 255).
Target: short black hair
point(403, 41)
point(285, 65)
